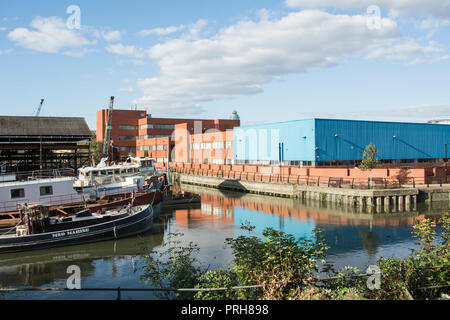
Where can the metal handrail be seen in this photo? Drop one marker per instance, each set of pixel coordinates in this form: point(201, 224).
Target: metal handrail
point(119, 289)
point(352, 182)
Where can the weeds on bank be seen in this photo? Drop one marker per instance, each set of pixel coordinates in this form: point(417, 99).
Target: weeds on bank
point(285, 267)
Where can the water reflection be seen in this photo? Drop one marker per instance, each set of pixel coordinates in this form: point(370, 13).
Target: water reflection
point(354, 238)
point(41, 267)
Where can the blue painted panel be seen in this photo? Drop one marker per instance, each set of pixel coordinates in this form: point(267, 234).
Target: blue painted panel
point(263, 142)
point(347, 139)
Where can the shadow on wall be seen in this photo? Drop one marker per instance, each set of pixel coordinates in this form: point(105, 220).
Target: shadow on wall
point(232, 185)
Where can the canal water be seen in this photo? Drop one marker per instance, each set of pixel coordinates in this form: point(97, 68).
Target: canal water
point(357, 239)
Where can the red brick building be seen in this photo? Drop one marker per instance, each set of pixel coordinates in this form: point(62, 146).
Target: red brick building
point(136, 132)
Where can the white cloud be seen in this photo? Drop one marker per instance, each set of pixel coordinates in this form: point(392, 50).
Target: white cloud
point(420, 113)
point(196, 28)
point(127, 89)
point(49, 35)
point(111, 35)
point(78, 52)
point(3, 29)
point(137, 62)
point(128, 51)
point(409, 51)
point(240, 59)
point(193, 30)
point(8, 51)
point(436, 8)
point(161, 31)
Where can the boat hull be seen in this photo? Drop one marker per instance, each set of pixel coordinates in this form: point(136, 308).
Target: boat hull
point(152, 197)
point(121, 228)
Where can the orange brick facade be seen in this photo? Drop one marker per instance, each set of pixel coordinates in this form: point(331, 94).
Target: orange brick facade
point(125, 128)
point(136, 133)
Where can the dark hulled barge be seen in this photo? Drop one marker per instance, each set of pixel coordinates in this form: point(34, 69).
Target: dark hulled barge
point(38, 230)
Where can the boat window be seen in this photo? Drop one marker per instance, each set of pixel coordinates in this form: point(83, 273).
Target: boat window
point(46, 190)
point(103, 173)
point(94, 173)
point(130, 170)
point(17, 193)
point(117, 171)
point(110, 172)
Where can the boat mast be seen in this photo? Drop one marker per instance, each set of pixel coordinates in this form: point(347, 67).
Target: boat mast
point(108, 129)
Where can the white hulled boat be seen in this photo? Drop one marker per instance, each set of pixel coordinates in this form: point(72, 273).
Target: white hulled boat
point(103, 178)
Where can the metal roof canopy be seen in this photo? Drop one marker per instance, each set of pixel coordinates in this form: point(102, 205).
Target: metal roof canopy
point(44, 126)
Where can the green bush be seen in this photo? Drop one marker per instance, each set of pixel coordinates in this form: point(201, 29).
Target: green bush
point(285, 268)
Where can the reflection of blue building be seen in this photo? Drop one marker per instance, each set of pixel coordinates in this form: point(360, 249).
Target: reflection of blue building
point(261, 221)
point(344, 239)
point(314, 141)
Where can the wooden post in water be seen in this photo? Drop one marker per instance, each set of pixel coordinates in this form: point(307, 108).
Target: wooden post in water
point(400, 203)
point(408, 203)
point(386, 204)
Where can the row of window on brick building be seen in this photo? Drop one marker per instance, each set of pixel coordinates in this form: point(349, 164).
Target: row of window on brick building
point(146, 126)
point(213, 145)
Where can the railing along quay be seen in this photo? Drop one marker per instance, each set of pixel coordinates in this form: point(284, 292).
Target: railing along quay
point(313, 281)
point(338, 182)
point(382, 195)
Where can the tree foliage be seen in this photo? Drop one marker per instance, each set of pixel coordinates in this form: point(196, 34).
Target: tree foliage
point(369, 160)
point(285, 267)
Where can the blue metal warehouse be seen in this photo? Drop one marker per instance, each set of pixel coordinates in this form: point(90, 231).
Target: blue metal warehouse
point(329, 141)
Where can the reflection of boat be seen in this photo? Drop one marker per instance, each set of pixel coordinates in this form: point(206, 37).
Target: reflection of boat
point(42, 267)
point(180, 198)
point(40, 230)
point(130, 246)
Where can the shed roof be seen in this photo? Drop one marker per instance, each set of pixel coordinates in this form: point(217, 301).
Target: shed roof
point(46, 126)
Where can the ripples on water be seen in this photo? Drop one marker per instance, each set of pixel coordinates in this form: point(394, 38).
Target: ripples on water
point(357, 239)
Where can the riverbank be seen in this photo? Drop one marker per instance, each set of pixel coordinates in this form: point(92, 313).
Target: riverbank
point(380, 200)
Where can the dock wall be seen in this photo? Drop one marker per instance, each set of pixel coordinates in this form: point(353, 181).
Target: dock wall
point(372, 200)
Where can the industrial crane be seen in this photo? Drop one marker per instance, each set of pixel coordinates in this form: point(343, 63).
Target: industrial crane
point(108, 128)
point(39, 108)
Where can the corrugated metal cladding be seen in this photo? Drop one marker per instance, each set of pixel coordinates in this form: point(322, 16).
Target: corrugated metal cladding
point(347, 139)
point(287, 141)
point(330, 139)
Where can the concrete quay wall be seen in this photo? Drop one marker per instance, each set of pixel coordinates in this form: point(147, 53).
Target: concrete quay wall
point(379, 200)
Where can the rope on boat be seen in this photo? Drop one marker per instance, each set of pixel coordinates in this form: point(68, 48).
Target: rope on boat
point(13, 228)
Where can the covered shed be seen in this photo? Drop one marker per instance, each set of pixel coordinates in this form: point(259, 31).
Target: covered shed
point(41, 143)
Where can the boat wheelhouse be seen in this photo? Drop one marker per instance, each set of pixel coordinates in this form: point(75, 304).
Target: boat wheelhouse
point(103, 177)
point(54, 191)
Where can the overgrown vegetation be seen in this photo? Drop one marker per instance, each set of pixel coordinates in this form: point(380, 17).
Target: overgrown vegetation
point(286, 268)
point(369, 159)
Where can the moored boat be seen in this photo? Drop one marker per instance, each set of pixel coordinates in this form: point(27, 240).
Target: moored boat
point(153, 197)
point(38, 230)
point(103, 177)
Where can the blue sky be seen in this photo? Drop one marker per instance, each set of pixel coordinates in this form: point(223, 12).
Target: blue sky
point(269, 60)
